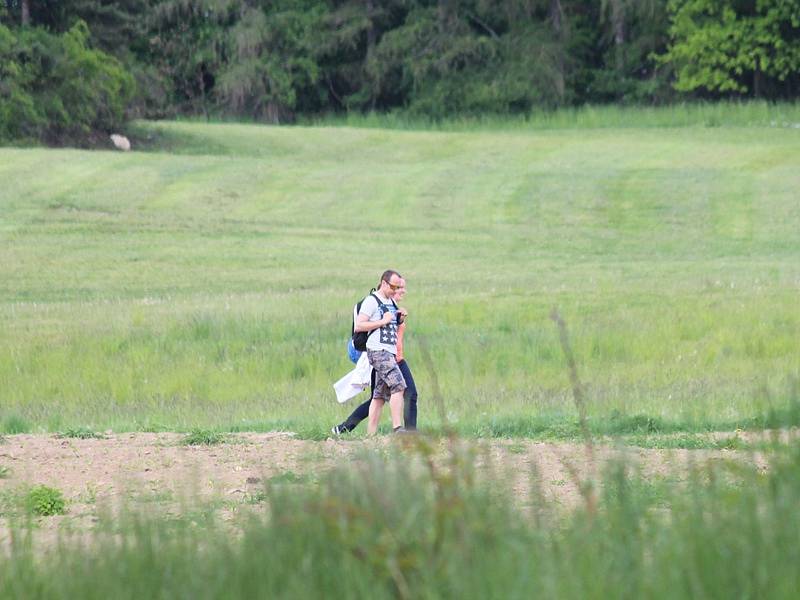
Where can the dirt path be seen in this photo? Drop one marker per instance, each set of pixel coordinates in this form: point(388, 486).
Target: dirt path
point(156, 470)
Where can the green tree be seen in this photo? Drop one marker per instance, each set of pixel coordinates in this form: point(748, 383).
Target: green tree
point(119, 28)
point(472, 57)
point(273, 58)
point(56, 88)
point(733, 46)
point(186, 47)
point(19, 116)
point(630, 33)
point(349, 73)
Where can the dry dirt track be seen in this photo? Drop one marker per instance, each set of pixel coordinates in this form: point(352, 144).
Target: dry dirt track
point(155, 470)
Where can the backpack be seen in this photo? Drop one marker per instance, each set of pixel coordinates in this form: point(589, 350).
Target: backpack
point(360, 338)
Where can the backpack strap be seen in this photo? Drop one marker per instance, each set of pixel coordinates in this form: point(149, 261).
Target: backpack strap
point(378, 300)
point(394, 304)
point(380, 306)
point(397, 311)
point(357, 305)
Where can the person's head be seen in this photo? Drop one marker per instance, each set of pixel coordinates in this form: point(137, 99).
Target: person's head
point(390, 283)
point(401, 291)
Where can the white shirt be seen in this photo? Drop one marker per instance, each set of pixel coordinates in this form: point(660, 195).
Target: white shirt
point(385, 337)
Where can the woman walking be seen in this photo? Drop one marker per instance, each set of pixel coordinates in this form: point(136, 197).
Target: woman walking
point(410, 394)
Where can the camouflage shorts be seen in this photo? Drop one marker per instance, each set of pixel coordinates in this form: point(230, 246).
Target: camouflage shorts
point(388, 378)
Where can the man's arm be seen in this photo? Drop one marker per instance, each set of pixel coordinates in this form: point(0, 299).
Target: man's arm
point(364, 324)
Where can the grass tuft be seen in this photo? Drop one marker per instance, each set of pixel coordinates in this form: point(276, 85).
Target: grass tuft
point(204, 437)
point(81, 433)
point(45, 501)
point(14, 424)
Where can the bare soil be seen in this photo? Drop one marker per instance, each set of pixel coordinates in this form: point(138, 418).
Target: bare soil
point(156, 471)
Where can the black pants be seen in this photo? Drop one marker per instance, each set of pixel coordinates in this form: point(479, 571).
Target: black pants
point(409, 405)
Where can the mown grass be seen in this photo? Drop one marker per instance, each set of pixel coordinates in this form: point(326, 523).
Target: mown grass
point(211, 286)
point(412, 527)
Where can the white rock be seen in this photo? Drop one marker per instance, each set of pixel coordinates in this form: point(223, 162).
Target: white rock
point(121, 142)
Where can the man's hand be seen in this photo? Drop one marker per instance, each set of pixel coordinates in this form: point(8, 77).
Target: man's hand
point(403, 312)
point(388, 317)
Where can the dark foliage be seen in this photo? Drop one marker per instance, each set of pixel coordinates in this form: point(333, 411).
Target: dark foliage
point(274, 60)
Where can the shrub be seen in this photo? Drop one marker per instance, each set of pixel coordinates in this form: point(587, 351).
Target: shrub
point(57, 89)
point(45, 501)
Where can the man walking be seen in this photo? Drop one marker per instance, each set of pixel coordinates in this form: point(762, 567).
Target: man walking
point(409, 396)
point(380, 316)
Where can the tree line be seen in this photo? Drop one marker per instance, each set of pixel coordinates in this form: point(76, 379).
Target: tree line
point(73, 68)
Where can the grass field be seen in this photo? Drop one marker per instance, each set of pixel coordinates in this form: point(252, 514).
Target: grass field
point(208, 281)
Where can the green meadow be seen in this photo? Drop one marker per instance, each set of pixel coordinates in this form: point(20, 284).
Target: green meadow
point(207, 280)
